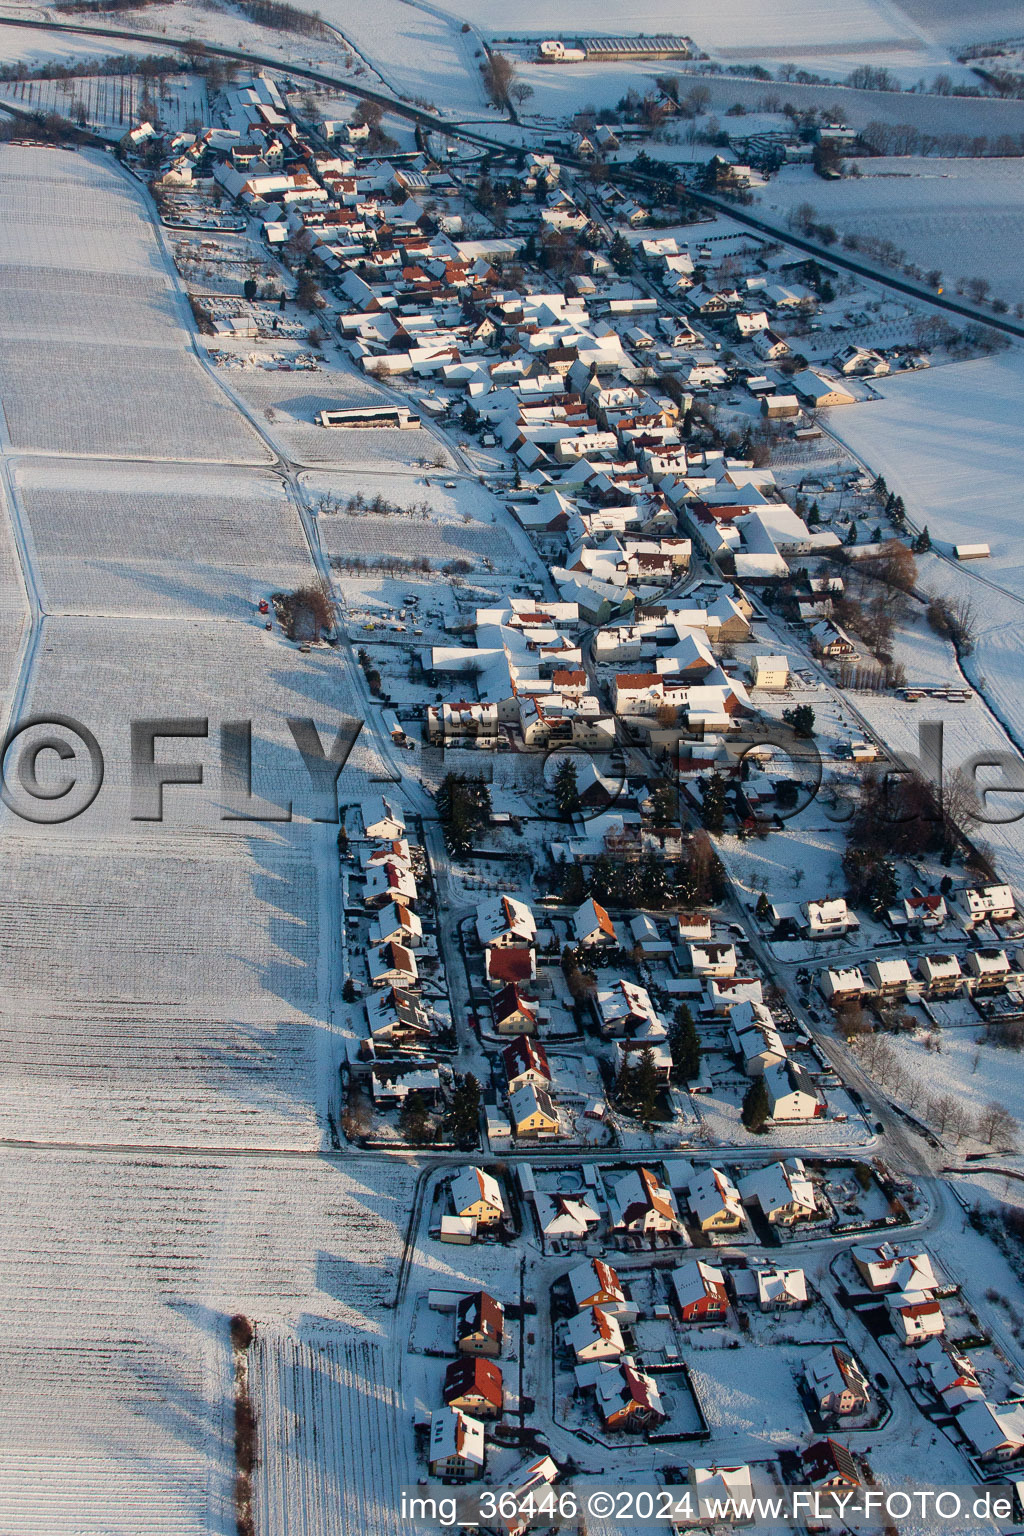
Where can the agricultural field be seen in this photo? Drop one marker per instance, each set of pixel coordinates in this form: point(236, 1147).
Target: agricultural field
point(331, 1443)
point(143, 540)
point(121, 1423)
point(418, 50)
point(288, 405)
point(963, 217)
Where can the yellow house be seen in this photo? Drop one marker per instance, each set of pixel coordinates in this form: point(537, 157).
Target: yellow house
point(476, 1193)
point(533, 1112)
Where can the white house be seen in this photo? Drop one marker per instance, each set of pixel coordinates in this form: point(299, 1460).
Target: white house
point(456, 1444)
point(995, 1433)
point(780, 1289)
point(843, 986)
point(712, 959)
point(595, 1335)
point(504, 922)
point(837, 1381)
point(889, 978)
point(916, 1315)
point(565, 1216)
point(592, 925)
point(792, 1095)
point(382, 818)
point(826, 918)
point(640, 1202)
point(987, 904)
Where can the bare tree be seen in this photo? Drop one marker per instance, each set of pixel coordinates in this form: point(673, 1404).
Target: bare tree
point(997, 1127)
point(940, 1112)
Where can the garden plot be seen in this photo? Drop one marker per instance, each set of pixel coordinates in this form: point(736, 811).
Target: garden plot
point(139, 540)
point(461, 521)
point(109, 672)
point(113, 103)
point(121, 1423)
point(963, 217)
point(749, 1394)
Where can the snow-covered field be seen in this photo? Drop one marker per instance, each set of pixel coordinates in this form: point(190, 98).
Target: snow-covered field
point(288, 404)
point(963, 217)
point(138, 540)
point(118, 1274)
point(949, 442)
point(168, 1038)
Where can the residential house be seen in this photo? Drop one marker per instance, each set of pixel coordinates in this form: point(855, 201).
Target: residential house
point(693, 928)
point(392, 966)
point(925, 911)
point(754, 1038)
point(885, 1267)
point(915, 1315)
point(595, 1335)
point(986, 904)
point(382, 818)
point(889, 978)
point(994, 1433)
point(988, 970)
point(769, 345)
point(474, 1385)
point(827, 1464)
point(532, 1112)
point(456, 1445)
point(503, 922)
point(715, 1202)
point(780, 1290)
point(837, 1382)
point(513, 1012)
point(639, 1202)
point(478, 1194)
point(596, 1284)
point(510, 965)
point(941, 974)
point(397, 1020)
point(792, 1095)
point(817, 391)
point(770, 673)
point(825, 919)
point(479, 1325)
point(843, 986)
point(625, 1008)
point(591, 925)
point(628, 1399)
point(526, 1061)
point(700, 1292)
point(391, 882)
point(712, 959)
point(720, 1489)
point(397, 924)
point(566, 1217)
point(782, 1192)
